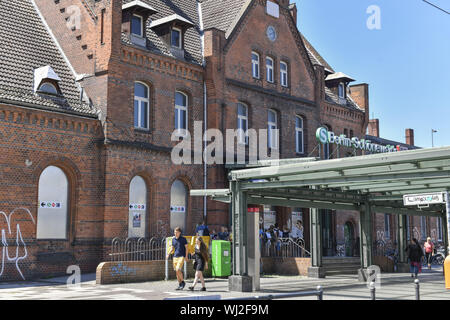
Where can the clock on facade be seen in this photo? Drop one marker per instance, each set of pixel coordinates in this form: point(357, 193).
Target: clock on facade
point(271, 33)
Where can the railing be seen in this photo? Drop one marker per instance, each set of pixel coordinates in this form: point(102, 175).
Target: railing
point(318, 293)
point(138, 249)
point(284, 247)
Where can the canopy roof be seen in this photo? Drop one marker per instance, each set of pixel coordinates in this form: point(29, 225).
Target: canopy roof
point(379, 180)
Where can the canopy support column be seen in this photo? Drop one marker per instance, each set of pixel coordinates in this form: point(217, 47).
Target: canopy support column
point(402, 243)
point(239, 281)
point(365, 227)
point(316, 270)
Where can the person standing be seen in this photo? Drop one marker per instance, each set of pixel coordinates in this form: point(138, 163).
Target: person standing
point(429, 249)
point(180, 250)
point(415, 255)
point(200, 263)
point(202, 230)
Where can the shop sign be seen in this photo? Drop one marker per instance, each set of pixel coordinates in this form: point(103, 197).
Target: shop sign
point(423, 199)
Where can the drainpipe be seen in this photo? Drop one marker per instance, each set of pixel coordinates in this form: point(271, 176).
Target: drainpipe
point(205, 114)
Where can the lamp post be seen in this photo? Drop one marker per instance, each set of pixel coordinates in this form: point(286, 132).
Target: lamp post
point(432, 137)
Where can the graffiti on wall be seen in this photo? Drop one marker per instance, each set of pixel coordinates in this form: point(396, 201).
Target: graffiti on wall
point(122, 270)
point(7, 232)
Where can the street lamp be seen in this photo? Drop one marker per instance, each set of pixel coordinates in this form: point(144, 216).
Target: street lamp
point(432, 138)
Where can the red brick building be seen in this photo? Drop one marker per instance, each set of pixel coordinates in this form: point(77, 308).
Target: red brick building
point(91, 92)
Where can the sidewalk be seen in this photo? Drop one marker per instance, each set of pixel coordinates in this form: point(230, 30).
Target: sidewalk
point(341, 287)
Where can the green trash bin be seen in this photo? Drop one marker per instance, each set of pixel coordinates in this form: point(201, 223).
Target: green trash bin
point(221, 258)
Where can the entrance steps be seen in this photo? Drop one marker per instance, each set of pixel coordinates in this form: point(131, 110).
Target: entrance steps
point(341, 265)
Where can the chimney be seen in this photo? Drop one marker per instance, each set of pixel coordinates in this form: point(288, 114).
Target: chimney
point(410, 137)
point(374, 127)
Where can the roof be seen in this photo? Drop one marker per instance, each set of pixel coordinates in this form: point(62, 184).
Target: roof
point(25, 46)
point(338, 75)
point(183, 9)
point(222, 14)
point(138, 3)
point(174, 17)
point(331, 97)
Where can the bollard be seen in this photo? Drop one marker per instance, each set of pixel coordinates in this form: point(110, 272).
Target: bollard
point(372, 291)
point(417, 289)
point(320, 295)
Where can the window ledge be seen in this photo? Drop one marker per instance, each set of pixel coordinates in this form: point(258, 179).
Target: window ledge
point(142, 130)
point(138, 40)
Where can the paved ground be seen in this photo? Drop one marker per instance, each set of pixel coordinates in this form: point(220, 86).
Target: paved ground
point(343, 287)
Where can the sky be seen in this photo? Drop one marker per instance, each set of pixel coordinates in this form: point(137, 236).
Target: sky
point(406, 62)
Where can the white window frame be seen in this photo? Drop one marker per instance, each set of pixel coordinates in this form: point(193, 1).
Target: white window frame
point(255, 66)
point(243, 137)
point(387, 226)
point(181, 37)
point(272, 136)
point(178, 110)
point(270, 70)
point(141, 18)
point(341, 89)
point(284, 74)
point(140, 101)
point(297, 130)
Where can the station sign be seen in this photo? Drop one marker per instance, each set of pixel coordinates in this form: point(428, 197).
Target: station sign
point(325, 136)
point(423, 199)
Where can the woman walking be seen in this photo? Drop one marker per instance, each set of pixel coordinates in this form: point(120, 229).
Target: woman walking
point(429, 248)
point(415, 255)
point(200, 263)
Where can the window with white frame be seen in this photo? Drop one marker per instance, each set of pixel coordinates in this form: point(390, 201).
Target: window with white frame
point(341, 90)
point(137, 25)
point(283, 74)
point(175, 38)
point(242, 124)
point(299, 141)
point(272, 130)
point(141, 106)
point(387, 226)
point(423, 228)
point(269, 69)
point(178, 205)
point(255, 65)
point(181, 112)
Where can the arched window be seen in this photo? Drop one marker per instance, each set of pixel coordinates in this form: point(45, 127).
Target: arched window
point(272, 130)
point(137, 208)
point(141, 106)
point(48, 87)
point(242, 124)
point(269, 69)
point(299, 141)
point(53, 196)
point(181, 112)
point(255, 65)
point(178, 205)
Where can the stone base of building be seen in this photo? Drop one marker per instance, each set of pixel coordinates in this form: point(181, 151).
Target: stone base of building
point(316, 272)
point(240, 283)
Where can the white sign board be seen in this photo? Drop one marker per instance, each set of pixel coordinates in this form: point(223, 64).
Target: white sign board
point(273, 9)
point(423, 199)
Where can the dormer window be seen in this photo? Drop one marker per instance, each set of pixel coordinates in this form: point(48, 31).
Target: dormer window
point(175, 38)
point(341, 90)
point(137, 25)
point(134, 17)
point(46, 81)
